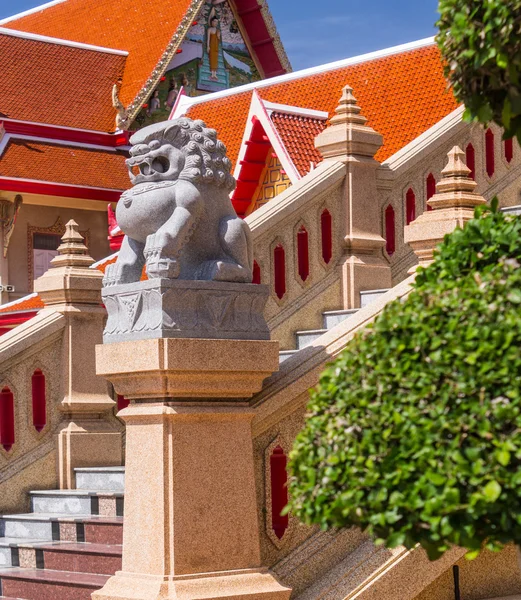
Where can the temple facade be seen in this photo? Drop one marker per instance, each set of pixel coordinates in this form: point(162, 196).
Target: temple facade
point(154, 465)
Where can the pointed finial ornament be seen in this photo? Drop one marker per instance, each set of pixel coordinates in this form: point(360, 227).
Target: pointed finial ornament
point(72, 251)
point(348, 134)
point(348, 110)
point(453, 205)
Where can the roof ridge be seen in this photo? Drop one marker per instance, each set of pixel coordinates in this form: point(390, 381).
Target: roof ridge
point(187, 102)
point(59, 41)
point(31, 11)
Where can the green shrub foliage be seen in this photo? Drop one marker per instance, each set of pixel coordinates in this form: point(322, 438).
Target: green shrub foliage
point(480, 41)
point(414, 432)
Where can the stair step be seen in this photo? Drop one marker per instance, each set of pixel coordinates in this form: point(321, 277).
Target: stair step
point(81, 557)
point(370, 296)
point(77, 502)
point(305, 338)
point(30, 527)
point(100, 478)
point(39, 584)
point(332, 318)
point(285, 354)
point(100, 530)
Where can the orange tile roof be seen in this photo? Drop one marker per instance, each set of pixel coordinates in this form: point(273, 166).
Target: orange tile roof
point(144, 29)
point(298, 136)
point(45, 161)
point(57, 84)
point(31, 302)
point(402, 95)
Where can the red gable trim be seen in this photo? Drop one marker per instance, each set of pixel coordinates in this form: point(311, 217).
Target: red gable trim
point(66, 134)
point(12, 319)
point(63, 190)
point(261, 39)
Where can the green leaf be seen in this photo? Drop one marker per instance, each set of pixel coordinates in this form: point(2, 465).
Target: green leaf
point(492, 491)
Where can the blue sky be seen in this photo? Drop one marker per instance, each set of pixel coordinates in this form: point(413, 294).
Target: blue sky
point(319, 31)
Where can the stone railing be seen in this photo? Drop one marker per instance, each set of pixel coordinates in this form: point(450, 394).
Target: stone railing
point(55, 414)
point(297, 246)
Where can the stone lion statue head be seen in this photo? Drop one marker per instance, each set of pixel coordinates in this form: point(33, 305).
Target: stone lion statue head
point(179, 149)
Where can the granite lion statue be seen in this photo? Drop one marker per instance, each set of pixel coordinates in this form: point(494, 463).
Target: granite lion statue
point(178, 218)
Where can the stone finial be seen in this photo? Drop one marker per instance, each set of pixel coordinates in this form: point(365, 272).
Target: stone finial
point(348, 134)
point(453, 205)
point(70, 280)
point(348, 111)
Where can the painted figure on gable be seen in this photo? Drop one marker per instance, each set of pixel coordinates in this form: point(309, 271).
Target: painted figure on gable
point(213, 43)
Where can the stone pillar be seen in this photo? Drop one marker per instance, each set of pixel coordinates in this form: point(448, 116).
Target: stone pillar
point(88, 435)
point(349, 140)
point(453, 205)
point(191, 519)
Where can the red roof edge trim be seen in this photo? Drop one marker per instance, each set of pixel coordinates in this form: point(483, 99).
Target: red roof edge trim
point(9, 319)
point(58, 189)
point(51, 132)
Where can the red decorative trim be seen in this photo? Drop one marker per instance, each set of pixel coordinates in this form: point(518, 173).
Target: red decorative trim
point(39, 400)
point(303, 253)
point(279, 491)
point(509, 150)
point(10, 319)
point(410, 206)
point(431, 188)
point(390, 231)
point(58, 189)
point(256, 273)
point(6, 419)
point(489, 153)
point(51, 132)
point(279, 271)
point(470, 154)
point(326, 229)
point(122, 402)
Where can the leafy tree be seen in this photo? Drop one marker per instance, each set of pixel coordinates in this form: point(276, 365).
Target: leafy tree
point(480, 41)
point(414, 432)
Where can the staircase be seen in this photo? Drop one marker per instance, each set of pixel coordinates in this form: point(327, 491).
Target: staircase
point(69, 544)
point(330, 318)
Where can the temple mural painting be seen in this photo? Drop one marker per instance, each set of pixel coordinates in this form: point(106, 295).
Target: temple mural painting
point(212, 57)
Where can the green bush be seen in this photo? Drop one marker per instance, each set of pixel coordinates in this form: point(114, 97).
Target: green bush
point(414, 432)
point(480, 41)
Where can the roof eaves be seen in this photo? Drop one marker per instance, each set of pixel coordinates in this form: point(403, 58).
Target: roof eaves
point(31, 11)
point(59, 42)
point(277, 42)
point(286, 109)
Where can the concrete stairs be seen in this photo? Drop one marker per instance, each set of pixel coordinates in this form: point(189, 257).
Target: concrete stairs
point(330, 319)
point(70, 544)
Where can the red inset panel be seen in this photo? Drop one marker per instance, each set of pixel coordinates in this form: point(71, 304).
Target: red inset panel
point(471, 160)
point(431, 188)
point(390, 232)
point(279, 491)
point(256, 273)
point(122, 402)
point(489, 153)
point(303, 253)
point(6, 418)
point(279, 271)
point(326, 228)
point(39, 400)
point(509, 150)
point(410, 206)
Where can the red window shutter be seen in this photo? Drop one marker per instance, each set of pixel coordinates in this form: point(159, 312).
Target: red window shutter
point(6, 418)
point(279, 491)
point(431, 188)
point(326, 227)
point(303, 253)
point(256, 273)
point(471, 161)
point(122, 402)
point(39, 400)
point(390, 234)
point(489, 153)
point(509, 150)
point(279, 271)
point(410, 206)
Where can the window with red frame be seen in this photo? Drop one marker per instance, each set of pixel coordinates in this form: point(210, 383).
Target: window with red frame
point(279, 271)
point(509, 150)
point(303, 253)
point(390, 231)
point(279, 491)
point(410, 206)
point(489, 153)
point(39, 400)
point(431, 188)
point(256, 273)
point(470, 155)
point(326, 229)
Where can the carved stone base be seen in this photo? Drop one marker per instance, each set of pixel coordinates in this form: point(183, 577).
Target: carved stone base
point(162, 308)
